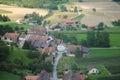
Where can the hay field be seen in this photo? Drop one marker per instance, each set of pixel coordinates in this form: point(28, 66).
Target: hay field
point(105, 12)
point(17, 12)
point(58, 15)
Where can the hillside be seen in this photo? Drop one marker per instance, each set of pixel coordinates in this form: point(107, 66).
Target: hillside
point(51, 4)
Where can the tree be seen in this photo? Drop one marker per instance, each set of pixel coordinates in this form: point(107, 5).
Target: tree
point(63, 8)
point(27, 45)
point(94, 9)
point(91, 39)
point(75, 9)
point(4, 51)
point(65, 16)
point(100, 26)
point(74, 67)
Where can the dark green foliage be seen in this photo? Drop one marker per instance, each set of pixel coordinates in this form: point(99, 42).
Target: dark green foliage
point(116, 0)
point(4, 51)
point(91, 38)
point(5, 28)
point(74, 67)
point(63, 8)
point(4, 18)
point(98, 39)
point(34, 17)
point(100, 26)
point(27, 45)
point(116, 23)
point(75, 9)
point(49, 4)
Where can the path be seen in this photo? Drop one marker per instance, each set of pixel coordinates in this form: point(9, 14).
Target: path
point(55, 65)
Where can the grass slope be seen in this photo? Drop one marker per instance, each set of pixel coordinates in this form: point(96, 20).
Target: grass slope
point(8, 76)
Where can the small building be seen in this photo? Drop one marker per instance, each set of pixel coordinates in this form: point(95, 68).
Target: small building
point(92, 70)
point(42, 76)
point(10, 37)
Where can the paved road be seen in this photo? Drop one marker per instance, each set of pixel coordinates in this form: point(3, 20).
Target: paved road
point(55, 66)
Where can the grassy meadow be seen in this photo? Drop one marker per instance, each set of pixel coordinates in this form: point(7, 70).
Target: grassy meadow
point(8, 76)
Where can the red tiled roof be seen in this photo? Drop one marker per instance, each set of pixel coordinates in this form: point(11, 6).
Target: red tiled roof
point(12, 36)
point(32, 77)
point(48, 49)
point(72, 48)
point(40, 30)
point(68, 21)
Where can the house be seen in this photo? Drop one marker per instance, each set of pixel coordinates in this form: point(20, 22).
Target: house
point(48, 50)
point(70, 22)
point(85, 50)
point(32, 22)
point(22, 39)
point(74, 76)
point(92, 70)
point(72, 48)
point(42, 76)
point(10, 37)
point(19, 21)
point(32, 77)
point(37, 30)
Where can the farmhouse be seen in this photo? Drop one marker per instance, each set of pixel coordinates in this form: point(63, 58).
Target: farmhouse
point(37, 30)
point(10, 37)
point(72, 48)
point(92, 70)
point(74, 76)
point(42, 76)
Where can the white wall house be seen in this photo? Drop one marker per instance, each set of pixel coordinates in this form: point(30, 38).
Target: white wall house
point(93, 71)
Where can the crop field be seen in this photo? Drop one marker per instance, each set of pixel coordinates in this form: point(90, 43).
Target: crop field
point(98, 57)
point(58, 15)
point(4, 11)
point(18, 12)
point(105, 12)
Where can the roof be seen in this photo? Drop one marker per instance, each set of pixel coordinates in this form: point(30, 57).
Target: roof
point(37, 30)
point(48, 49)
point(13, 36)
point(85, 49)
point(72, 48)
point(43, 76)
point(74, 76)
point(68, 21)
point(49, 59)
point(32, 77)
point(22, 35)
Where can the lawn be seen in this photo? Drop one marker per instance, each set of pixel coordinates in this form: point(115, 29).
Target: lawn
point(20, 54)
point(98, 57)
point(8, 76)
point(13, 24)
point(4, 11)
point(115, 40)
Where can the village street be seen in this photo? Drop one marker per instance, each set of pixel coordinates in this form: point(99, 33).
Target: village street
point(59, 55)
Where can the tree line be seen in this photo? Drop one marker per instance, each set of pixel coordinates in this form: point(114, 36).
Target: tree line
point(49, 4)
point(116, 23)
point(94, 39)
point(4, 18)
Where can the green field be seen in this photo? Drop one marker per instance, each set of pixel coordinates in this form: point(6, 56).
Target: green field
point(4, 11)
point(98, 57)
point(13, 24)
point(8, 76)
point(20, 54)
